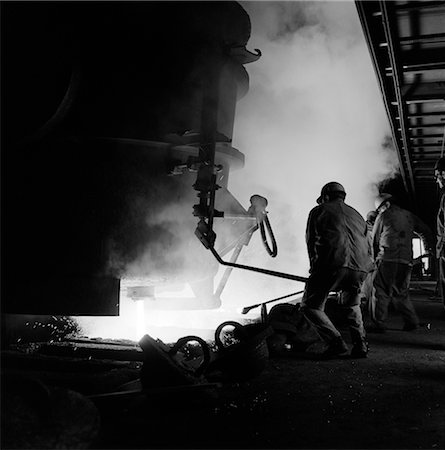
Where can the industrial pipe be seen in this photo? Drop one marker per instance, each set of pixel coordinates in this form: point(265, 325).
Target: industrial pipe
point(273, 273)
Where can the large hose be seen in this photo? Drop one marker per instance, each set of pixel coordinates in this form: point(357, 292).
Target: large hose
point(258, 207)
point(274, 250)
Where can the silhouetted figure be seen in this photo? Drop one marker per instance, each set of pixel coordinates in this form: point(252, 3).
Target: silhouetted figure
point(439, 174)
point(368, 285)
point(339, 261)
point(393, 233)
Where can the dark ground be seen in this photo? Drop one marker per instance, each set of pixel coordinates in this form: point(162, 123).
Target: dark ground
point(395, 398)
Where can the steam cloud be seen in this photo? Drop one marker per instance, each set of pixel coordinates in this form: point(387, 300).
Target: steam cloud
point(313, 114)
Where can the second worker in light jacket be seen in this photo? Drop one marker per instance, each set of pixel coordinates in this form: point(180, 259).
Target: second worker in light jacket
point(392, 241)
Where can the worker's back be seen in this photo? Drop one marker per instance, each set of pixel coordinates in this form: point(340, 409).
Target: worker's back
point(336, 237)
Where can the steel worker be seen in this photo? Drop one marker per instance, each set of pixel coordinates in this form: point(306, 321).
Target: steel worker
point(439, 173)
point(368, 285)
point(339, 261)
point(393, 233)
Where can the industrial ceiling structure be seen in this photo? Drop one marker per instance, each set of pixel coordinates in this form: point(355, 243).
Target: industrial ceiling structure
point(406, 40)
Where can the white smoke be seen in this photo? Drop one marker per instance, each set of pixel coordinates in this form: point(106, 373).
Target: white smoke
point(313, 114)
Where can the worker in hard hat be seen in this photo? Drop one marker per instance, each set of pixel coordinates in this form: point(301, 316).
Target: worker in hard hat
point(392, 237)
point(439, 174)
point(339, 261)
point(368, 285)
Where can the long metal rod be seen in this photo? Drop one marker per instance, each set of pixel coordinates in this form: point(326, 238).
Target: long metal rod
point(427, 125)
point(246, 309)
point(422, 115)
point(428, 38)
point(428, 153)
point(413, 68)
point(244, 239)
point(273, 273)
point(426, 136)
point(424, 164)
point(439, 145)
point(228, 271)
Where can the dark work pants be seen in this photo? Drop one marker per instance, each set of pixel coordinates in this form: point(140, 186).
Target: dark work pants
point(318, 286)
point(391, 284)
point(441, 280)
point(368, 291)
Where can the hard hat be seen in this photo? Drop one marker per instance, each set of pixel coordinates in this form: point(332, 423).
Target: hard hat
point(330, 187)
point(440, 164)
point(382, 198)
point(371, 216)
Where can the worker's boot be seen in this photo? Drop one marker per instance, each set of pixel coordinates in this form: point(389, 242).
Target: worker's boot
point(336, 347)
point(419, 326)
point(360, 349)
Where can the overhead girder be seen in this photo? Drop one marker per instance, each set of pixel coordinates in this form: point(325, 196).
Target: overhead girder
point(406, 40)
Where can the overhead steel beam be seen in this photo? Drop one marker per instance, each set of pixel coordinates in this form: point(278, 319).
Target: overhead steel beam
point(426, 125)
point(428, 153)
point(420, 68)
point(423, 56)
point(424, 163)
point(426, 136)
point(424, 39)
point(369, 19)
point(389, 20)
point(424, 67)
point(421, 92)
point(409, 6)
point(439, 144)
point(425, 115)
point(424, 169)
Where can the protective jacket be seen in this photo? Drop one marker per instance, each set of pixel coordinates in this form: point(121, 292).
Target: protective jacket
point(393, 233)
point(370, 227)
point(440, 243)
point(336, 237)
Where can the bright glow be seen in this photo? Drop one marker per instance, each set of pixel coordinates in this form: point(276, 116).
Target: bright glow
point(128, 325)
point(140, 327)
point(313, 114)
point(141, 317)
point(181, 291)
point(419, 250)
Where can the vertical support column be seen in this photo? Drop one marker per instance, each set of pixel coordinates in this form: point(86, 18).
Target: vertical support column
point(206, 179)
point(209, 126)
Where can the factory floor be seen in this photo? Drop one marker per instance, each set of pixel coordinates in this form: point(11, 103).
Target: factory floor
point(394, 399)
